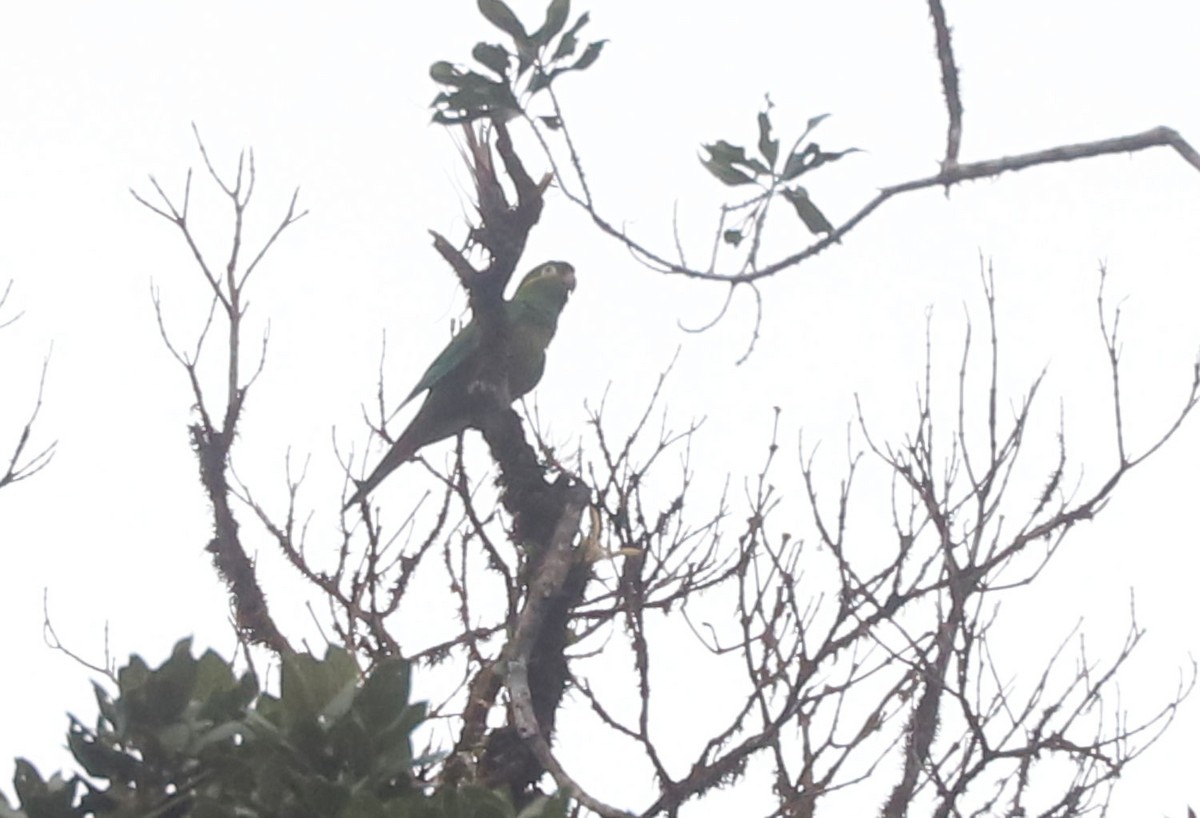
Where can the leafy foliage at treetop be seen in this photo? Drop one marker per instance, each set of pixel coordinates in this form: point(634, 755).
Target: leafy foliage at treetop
point(190, 738)
point(731, 165)
point(528, 67)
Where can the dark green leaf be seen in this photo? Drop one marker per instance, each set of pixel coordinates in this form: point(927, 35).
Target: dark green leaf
point(813, 218)
point(311, 687)
point(566, 47)
point(494, 57)
point(812, 123)
point(832, 156)
point(551, 122)
point(810, 158)
point(229, 703)
point(446, 73)
point(267, 715)
point(384, 694)
point(213, 676)
point(727, 154)
point(799, 162)
point(133, 674)
point(340, 703)
point(590, 55)
point(393, 756)
point(323, 797)
point(348, 743)
point(309, 741)
point(542, 80)
point(52, 798)
point(556, 17)
point(726, 172)
point(502, 17)
point(158, 697)
point(363, 805)
point(722, 151)
point(27, 781)
point(105, 704)
point(300, 689)
point(580, 23)
point(207, 809)
point(733, 237)
point(174, 738)
point(99, 758)
point(230, 731)
point(527, 56)
point(476, 96)
point(768, 147)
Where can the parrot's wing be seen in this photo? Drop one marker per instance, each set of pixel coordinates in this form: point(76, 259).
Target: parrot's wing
point(456, 354)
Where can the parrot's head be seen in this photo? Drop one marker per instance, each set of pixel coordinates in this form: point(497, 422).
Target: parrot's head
point(550, 282)
point(550, 273)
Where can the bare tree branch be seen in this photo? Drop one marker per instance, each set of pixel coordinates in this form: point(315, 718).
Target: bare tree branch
point(22, 464)
point(212, 438)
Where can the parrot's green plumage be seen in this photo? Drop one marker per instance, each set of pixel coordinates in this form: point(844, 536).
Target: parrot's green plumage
point(532, 315)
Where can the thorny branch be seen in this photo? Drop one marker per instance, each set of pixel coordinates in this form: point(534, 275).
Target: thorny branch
point(571, 178)
point(949, 176)
point(954, 108)
point(22, 464)
point(212, 437)
point(951, 173)
point(856, 658)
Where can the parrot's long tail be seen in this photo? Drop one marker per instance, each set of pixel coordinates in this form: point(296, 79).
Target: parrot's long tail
point(402, 451)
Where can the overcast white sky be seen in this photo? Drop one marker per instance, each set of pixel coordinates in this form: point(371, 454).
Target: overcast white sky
point(95, 96)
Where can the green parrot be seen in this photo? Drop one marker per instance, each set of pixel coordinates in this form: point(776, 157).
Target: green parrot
point(532, 315)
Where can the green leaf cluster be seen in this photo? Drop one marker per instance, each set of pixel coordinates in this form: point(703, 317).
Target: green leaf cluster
point(773, 172)
point(529, 65)
point(190, 738)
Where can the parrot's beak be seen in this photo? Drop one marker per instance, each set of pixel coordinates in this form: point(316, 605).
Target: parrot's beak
point(568, 276)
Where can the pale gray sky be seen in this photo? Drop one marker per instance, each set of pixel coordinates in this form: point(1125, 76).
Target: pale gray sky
point(93, 97)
